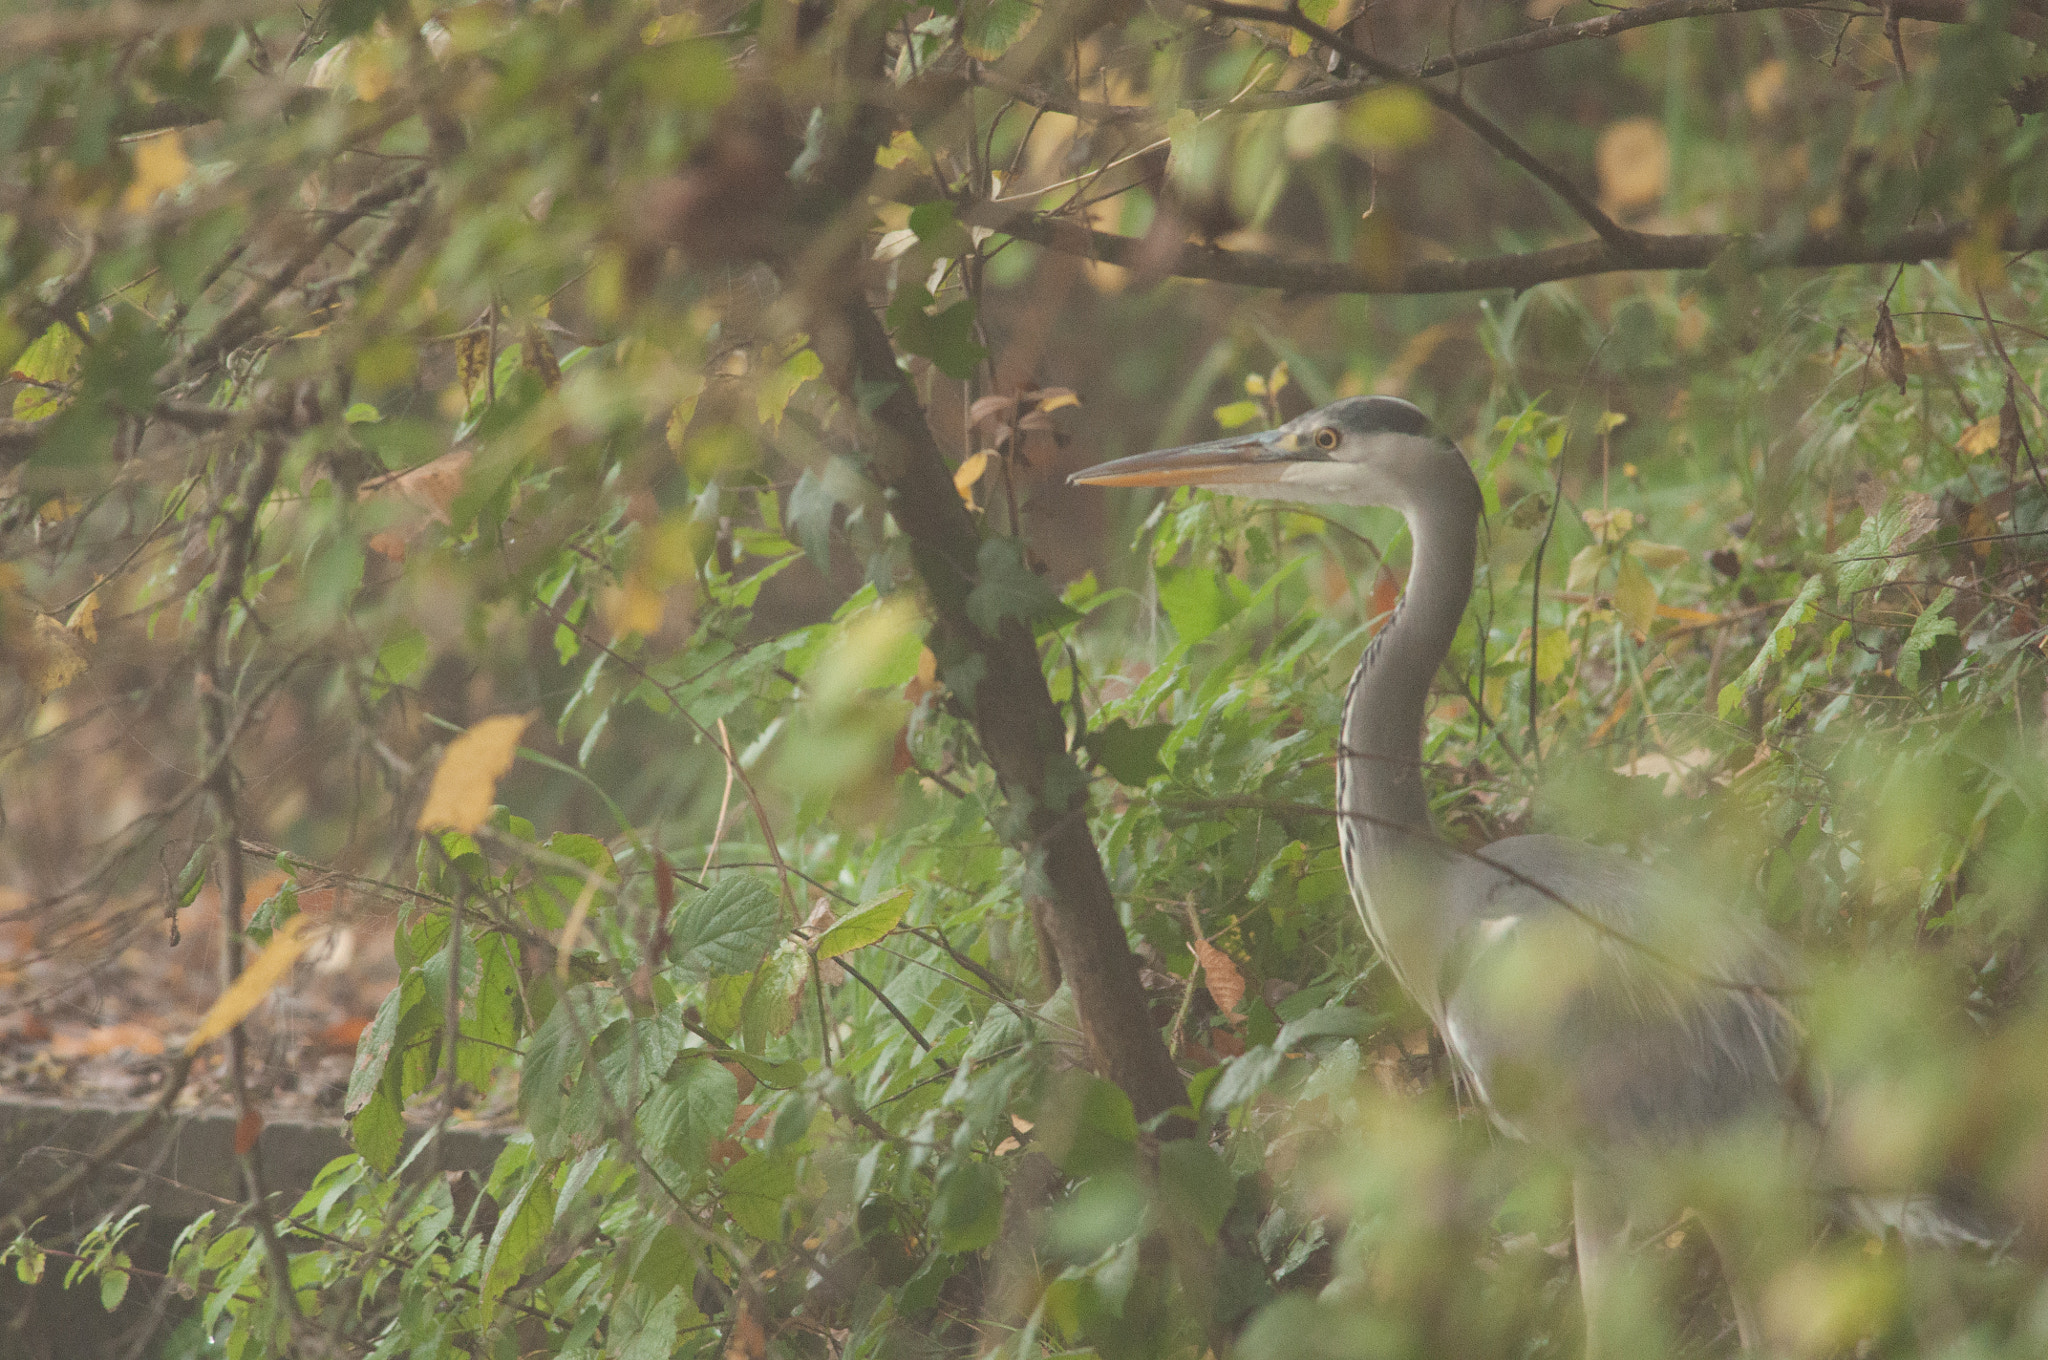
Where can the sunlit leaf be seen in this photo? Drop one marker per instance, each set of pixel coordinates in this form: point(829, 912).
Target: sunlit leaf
point(466, 781)
point(256, 981)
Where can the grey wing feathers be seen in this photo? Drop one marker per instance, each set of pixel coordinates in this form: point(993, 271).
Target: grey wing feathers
point(1591, 1003)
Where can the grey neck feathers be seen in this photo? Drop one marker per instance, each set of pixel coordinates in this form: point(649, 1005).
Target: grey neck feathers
point(1380, 789)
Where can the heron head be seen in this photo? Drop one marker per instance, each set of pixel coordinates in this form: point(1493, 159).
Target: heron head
point(1357, 451)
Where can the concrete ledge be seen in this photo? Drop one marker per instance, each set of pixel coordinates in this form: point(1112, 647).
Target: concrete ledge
point(189, 1160)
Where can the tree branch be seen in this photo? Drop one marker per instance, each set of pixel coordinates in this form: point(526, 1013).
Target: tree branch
point(2021, 24)
point(1616, 236)
point(1260, 269)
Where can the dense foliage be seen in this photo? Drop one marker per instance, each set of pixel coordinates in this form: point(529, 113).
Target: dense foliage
point(511, 370)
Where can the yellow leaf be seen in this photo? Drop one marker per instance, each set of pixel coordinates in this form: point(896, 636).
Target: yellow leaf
point(1553, 649)
point(257, 981)
point(82, 618)
point(1634, 163)
point(1980, 438)
point(370, 72)
point(1389, 118)
point(902, 147)
point(1662, 556)
point(1585, 567)
point(1220, 976)
point(1053, 398)
point(466, 782)
point(1635, 599)
point(160, 166)
point(53, 659)
point(472, 360)
point(633, 606)
point(968, 473)
point(1764, 87)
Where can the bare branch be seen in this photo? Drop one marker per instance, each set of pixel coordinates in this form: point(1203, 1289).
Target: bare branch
point(1617, 237)
point(1260, 269)
point(2021, 24)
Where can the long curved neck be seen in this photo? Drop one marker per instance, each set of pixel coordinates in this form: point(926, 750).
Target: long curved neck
point(1383, 808)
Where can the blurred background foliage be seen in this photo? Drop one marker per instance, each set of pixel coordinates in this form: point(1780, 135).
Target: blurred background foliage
point(381, 369)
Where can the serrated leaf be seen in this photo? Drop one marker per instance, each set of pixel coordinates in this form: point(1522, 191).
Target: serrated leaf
point(771, 1001)
point(1130, 754)
point(1927, 629)
point(684, 1116)
point(729, 928)
point(752, 1192)
point(865, 924)
point(521, 1229)
point(373, 1052)
point(990, 28)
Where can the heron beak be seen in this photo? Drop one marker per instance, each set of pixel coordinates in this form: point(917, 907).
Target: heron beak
point(1242, 458)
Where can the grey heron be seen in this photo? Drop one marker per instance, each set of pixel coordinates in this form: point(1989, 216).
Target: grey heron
point(1589, 1009)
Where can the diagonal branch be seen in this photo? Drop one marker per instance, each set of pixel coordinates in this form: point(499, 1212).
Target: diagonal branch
point(1618, 238)
point(1261, 269)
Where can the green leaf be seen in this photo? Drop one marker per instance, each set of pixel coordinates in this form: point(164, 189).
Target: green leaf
point(683, 1117)
point(378, 1129)
point(1197, 1183)
point(938, 228)
point(1927, 629)
point(865, 924)
point(990, 28)
point(1781, 637)
point(1199, 600)
point(946, 337)
point(1130, 754)
point(114, 1283)
point(753, 1189)
point(967, 1212)
point(1008, 589)
point(1093, 1127)
point(656, 1337)
point(53, 358)
point(729, 928)
point(770, 1006)
point(522, 1227)
point(373, 1050)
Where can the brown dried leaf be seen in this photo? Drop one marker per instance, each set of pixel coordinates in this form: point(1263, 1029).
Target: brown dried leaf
point(987, 407)
point(247, 1128)
point(1884, 341)
point(466, 782)
point(2009, 431)
point(537, 354)
point(1220, 976)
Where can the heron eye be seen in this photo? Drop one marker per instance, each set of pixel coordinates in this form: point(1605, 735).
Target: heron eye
point(1326, 439)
